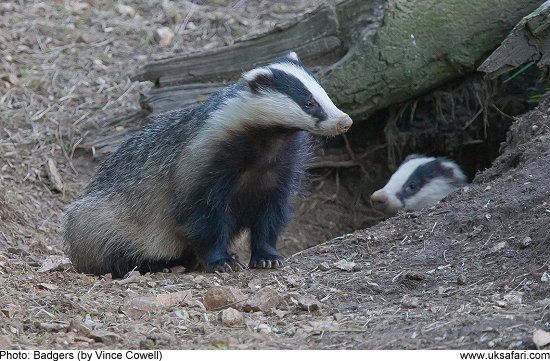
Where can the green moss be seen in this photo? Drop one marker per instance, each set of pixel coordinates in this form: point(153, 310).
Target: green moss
point(421, 44)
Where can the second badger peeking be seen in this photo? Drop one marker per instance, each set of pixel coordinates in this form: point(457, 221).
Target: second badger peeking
point(179, 191)
point(419, 182)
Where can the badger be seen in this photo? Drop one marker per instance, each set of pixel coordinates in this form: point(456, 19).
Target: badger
point(182, 189)
point(419, 182)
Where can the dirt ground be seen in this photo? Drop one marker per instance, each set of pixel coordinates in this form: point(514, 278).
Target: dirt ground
point(471, 272)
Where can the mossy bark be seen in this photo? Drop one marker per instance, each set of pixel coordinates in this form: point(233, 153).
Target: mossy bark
point(418, 46)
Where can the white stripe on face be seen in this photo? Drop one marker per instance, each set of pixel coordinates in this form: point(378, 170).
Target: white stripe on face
point(432, 192)
point(396, 182)
point(333, 113)
point(403, 173)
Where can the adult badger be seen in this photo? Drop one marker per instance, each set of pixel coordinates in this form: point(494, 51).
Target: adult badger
point(419, 182)
point(179, 191)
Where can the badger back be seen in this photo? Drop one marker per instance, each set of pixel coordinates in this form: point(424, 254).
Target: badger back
point(419, 182)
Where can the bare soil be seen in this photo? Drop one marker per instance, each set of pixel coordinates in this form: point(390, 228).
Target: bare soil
point(471, 272)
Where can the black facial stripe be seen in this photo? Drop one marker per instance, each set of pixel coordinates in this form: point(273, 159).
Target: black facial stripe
point(286, 59)
point(295, 89)
point(421, 176)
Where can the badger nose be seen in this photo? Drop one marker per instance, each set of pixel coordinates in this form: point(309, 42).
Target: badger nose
point(344, 122)
point(379, 201)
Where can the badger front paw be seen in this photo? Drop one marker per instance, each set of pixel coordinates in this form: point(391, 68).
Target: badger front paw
point(272, 261)
point(225, 265)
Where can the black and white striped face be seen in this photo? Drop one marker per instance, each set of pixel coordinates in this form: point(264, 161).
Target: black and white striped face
point(286, 93)
point(419, 182)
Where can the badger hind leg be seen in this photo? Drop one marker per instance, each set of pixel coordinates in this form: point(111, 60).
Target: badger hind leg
point(121, 263)
point(88, 229)
point(97, 240)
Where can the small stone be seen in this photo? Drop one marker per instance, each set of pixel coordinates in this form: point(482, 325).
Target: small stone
point(220, 297)
point(85, 38)
point(324, 325)
point(308, 303)
point(497, 247)
point(138, 306)
point(280, 313)
point(130, 277)
point(201, 281)
point(346, 265)
point(415, 276)
point(163, 36)
point(526, 242)
point(263, 328)
point(105, 337)
point(48, 286)
point(545, 277)
point(77, 326)
point(231, 317)
point(177, 269)
point(513, 297)
point(54, 263)
point(324, 266)
point(255, 285)
point(263, 300)
point(295, 281)
point(53, 326)
point(173, 298)
point(461, 279)
point(162, 338)
point(11, 78)
point(125, 10)
point(541, 338)
point(408, 301)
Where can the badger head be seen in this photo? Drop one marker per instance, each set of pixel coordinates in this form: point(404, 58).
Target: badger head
point(419, 182)
point(285, 93)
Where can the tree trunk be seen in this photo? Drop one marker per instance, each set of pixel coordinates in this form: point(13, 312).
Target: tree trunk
point(368, 54)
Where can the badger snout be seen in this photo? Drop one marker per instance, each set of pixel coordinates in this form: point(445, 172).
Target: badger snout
point(382, 202)
point(379, 200)
point(344, 123)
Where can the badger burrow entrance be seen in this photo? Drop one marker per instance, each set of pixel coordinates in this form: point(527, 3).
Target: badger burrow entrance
point(465, 121)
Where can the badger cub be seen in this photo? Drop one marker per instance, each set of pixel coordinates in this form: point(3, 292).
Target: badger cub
point(419, 182)
point(183, 188)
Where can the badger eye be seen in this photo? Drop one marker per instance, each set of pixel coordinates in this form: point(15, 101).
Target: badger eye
point(411, 187)
point(309, 103)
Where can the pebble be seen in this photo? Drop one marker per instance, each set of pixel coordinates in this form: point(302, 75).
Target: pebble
point(231, 317)
point(408, 301)
point(163, 36)
point(222, 296)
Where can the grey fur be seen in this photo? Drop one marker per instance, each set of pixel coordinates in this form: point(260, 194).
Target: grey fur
point(127, 210)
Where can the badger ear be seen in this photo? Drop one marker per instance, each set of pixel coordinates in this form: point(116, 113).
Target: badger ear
point(452, 170)
point(292, 55)
point(258, 78)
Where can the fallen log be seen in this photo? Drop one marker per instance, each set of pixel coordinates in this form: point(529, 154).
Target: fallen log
point(367, 54)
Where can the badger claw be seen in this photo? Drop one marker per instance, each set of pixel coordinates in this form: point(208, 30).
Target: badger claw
point(267, 263)
point(226, 266)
